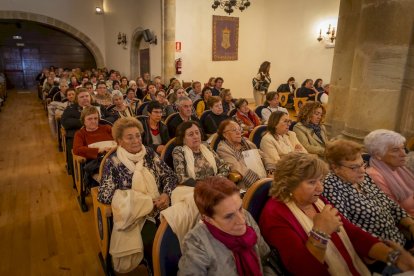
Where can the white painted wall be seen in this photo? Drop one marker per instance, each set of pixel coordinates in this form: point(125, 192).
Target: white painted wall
point(282, 32)
point(80, 14)
point(127, 16)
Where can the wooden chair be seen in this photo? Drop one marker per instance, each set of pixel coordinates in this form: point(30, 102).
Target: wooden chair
point(78, 172)
point(165, 251)
point(170, 117)
point(140, 109)
point(103, 223)
point(283, 98)
point(185, 84)
point(166, 154)
point(257, 134)
point(254, 201)
point(298, 103)
point(410, 144)
point(258, 111)
point(64, 148)
point(59, 131)
point(232, 112)
point(256, 197)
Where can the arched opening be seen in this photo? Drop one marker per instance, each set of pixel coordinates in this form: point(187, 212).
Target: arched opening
point(55, 34)
point(140, 55)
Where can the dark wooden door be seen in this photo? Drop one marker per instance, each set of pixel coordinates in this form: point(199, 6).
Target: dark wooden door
point(144, 61)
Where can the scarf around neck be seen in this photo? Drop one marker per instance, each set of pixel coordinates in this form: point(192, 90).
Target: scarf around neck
point(189, 159)
point(242, 247)
point(142, 179)
point(317, 129)
point(399, 181)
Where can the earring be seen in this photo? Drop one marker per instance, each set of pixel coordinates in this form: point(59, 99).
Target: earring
point(290, 194)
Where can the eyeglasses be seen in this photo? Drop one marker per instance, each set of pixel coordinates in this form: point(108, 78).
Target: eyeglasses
point(355, 168)
point(288, 122)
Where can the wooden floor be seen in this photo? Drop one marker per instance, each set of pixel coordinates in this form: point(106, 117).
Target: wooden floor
point(42, 230)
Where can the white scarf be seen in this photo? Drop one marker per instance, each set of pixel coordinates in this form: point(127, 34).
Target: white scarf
point(337, 266)
point(189, 159)
point(142, 180)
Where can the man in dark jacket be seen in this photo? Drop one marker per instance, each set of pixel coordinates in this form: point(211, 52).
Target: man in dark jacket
point(155, 132)
point(71, 120)
point(185, 110)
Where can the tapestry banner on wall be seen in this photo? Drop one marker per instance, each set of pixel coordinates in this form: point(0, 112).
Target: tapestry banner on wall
point(225, 38)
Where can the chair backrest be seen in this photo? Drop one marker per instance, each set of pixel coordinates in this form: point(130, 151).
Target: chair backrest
point(140, 109)
point(141, 118)
point(166, 251)
point(105, 122)
point(257, 134)
point(166, 154)
point(410, 144)
point(232, 112)
point(256, 197)
point(215, 140)
point(283, 98)
point(101, 166)
point(196, 103)
point(204, 116)
point(298, 103)
point(258, 110)
point(170, 117)
point(186, 84)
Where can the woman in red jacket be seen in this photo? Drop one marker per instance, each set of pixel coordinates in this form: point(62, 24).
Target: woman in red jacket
point(246, 118)
point(312, 237)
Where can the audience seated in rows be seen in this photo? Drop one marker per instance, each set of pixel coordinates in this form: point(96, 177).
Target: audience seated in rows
point(310, 130)
point(227, 100)
point(130, 100)
point(218, 86)
point(150, 96)
point(349, 188)
point(238, 152)
point(119, 109)
point(155, 133)
point(213, 119)
point(184, 114)
point(195, 92)
point(59, 103)
point(172, 99)
point(271, 105)
point(289, 86)
point(279, 141)
point(387, 166)
point(194, 160)
point(102, 97)
point(311, 236)
point(135, 171)
point(228, 240)
point(201, 105)
point(92, 141)
point(246, 118)
point(307, 90)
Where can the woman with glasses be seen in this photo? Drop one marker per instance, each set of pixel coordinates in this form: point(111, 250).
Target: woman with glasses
point(279, 141)
point(350, 189)
point(232, 148)
point(310, 130)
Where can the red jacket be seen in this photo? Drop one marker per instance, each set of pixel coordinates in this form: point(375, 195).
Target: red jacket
point(282, 230)
point(84, 138)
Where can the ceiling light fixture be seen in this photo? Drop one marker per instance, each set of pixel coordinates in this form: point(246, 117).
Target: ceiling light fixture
point(228, 5)
point(17, 37)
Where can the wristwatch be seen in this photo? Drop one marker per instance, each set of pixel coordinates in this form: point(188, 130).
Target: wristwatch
point(393, 257)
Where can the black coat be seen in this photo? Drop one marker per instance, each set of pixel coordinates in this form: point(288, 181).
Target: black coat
point(176, 121)
point(147, 138)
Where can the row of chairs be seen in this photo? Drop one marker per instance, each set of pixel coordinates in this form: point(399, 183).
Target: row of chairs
point(166, 249)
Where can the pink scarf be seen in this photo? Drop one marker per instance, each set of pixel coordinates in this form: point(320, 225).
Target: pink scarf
point(400, 181)
point(242, 247)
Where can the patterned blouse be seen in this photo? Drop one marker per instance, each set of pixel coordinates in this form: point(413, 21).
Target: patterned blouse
point(117, 176)
point(369, 209)
point(202, 168)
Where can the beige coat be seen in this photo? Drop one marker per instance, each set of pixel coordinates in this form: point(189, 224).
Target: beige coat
point(310, 140)
point(274, 149)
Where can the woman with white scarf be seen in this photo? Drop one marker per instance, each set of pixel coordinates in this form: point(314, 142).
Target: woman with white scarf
point(387, 166)
point(312, 237)
point(134, 167)
point(194, 160)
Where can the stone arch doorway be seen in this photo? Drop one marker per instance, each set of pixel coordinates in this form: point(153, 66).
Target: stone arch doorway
point(60, 25)
point(140, 54)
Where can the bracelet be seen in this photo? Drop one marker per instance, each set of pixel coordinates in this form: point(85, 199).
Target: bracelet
point(323, 234)
point(393, 257)
point(318, 245)
point(323, 240)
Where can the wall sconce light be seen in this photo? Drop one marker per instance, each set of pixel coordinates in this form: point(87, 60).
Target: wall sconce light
point(99, 10)
point(122, 39)
point(329, 38)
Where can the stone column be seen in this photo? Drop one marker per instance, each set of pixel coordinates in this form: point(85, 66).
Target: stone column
point(348, 20)
point(169, 40)
point(380, 57)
